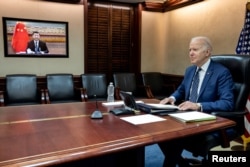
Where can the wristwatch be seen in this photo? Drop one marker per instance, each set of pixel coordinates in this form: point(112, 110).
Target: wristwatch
point(199, 106)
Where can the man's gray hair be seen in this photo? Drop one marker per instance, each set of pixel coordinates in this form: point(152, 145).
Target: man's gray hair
point(205, 40)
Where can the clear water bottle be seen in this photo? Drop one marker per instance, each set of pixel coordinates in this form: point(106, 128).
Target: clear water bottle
point(110, 92)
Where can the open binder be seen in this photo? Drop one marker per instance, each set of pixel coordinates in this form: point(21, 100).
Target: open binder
point(157, 108)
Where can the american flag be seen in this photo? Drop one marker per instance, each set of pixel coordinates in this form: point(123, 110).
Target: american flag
point(243, 46)
point(246, 136)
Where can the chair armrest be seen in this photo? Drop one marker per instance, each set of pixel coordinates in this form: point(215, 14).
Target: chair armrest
point(42, 93)
point(230, 115)
point(148, 91)
point(117, 93)
point(46, 92)
point(2, 98)
point(82, 92)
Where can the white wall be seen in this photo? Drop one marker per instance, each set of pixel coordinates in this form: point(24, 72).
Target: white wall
point(220, 20)
point(43, 10)
point(154, 41)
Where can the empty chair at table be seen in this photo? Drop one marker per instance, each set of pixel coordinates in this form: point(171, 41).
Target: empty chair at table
point(61, 89)
point(127, 82)
point(157, 87)
point(95, 86)
point(21, 89)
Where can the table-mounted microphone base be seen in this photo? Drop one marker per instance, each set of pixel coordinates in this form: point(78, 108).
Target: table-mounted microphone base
point(96, 114)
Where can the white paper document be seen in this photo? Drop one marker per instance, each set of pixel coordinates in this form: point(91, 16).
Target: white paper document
point(142, 119)
point(117, 103)
point(193, 116)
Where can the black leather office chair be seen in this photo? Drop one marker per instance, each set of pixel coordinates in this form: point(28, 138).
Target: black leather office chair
point(21, 89)
point(239, 66)
point(60, 89)
point(95, 86)
point(158, 88)
point(127, 82)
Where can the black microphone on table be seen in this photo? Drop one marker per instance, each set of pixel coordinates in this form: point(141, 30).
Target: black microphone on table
point(97, 114)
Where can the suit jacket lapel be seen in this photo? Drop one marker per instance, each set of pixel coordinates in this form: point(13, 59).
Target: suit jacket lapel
point(189, 82)
point(207, 77)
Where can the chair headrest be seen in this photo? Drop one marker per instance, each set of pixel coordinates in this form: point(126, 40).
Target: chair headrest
point(239, 66)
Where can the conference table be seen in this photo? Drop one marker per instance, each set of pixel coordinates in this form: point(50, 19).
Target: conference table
point(57, 134)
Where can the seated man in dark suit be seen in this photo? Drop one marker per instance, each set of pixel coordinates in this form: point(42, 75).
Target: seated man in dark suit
point(207, 86)
point(36, 46)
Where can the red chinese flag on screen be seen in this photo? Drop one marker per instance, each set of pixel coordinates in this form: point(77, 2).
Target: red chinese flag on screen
point(247, 119)
point(20, 38)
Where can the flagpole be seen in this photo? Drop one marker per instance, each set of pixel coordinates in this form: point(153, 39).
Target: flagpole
point(248, 4)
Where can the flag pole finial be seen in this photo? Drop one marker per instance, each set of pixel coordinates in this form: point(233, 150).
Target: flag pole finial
point(248, 4)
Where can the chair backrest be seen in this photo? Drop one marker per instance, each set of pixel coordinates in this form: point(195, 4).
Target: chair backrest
point(125, 81)
point(239, 66)
point(60, 87)
point(21, 89)
point(95, 84)
point(154, 80)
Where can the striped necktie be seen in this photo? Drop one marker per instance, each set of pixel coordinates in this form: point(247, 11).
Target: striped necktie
point(36, 45)
point(194, 89)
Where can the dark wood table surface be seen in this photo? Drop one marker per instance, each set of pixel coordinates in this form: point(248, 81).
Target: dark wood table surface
point(52, 134)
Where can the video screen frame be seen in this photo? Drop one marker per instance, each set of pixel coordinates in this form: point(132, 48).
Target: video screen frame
point(17, 32)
